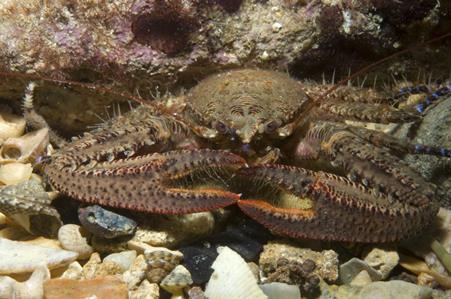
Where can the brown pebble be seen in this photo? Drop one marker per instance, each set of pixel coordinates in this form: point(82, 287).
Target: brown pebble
point(108, 287)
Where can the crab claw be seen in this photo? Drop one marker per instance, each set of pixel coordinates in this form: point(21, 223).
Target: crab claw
point(150, 183)
point(319, 205)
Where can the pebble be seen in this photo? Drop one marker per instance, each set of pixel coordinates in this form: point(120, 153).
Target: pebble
point(75, 238)
point(146, 290)
point(110, 287)
point(198, 260)
point(382, 260)
point(105, 224)
point(361, 279)
point(30, 289)
point(90, 268)
point(326, 261)
point(124, 259)
point(137, 272)
point(74, 271)
point(277, 290)
point(196, 293)
point(19, 257)
point(232, 278)
point(350, 269)
point(177, 280)
point(394, 289)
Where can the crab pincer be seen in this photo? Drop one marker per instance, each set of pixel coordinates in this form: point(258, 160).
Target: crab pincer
point(320, 205)
point(150, 183)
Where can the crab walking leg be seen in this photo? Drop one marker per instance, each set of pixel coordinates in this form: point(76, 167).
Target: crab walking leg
point(340, 210)
point(143, 183)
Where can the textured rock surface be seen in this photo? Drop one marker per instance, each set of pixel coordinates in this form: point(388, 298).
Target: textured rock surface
point(146, 43)
point(326, 261)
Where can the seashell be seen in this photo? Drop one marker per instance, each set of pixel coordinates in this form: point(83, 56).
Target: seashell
point(15, 173)
point(75, 238)
point(161, 262)
point(30, 289)
point(177, 280)
point(30, 206)
point(25, 148)
point(10, 125)
point(232, 278)
point(19, 257)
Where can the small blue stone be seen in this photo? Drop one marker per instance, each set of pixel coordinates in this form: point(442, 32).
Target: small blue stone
point(443, 152)
point(418, 148)
point(436, 95)
point(420, 108)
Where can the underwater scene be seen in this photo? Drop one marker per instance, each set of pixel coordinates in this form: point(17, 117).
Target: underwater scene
point(225, 149)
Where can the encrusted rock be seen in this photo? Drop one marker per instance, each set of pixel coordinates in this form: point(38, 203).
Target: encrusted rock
point(177, 280)
point(104, 287)
point(295, 273)
point(18, 257)
point(326, 261)
point(382, 260)
point(104, 223)
point(74, 238)
point(30, 289)
point(161, 262)
point(146, 290)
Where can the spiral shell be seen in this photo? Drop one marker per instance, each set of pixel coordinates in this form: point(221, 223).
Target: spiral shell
point(25, 148)
point(161, 262)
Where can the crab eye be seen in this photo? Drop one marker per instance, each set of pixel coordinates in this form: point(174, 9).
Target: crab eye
point(271, 127)
point(221, 127)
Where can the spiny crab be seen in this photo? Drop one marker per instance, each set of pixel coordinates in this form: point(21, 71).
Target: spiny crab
point(266, 142)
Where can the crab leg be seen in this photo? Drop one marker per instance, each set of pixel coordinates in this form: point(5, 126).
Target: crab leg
point(143, 183)
point(338, 208)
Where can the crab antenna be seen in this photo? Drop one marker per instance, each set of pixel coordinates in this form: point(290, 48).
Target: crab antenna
point(379, 62)
point(75, 83)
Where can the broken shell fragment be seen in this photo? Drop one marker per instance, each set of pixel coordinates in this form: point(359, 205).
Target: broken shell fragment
point(15, 173)
point(30, 289)
point(25, 148)
point(11, 125)
point(19, 257)
point(75, 238)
